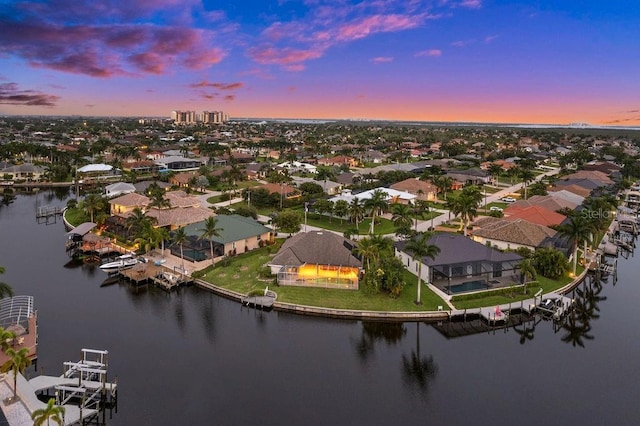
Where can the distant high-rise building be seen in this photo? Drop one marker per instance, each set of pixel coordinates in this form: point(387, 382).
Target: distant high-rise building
point(207, 117)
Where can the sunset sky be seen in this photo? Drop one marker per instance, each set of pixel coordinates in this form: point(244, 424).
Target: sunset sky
point(544, 61)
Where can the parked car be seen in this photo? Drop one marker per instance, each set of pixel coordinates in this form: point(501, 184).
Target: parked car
point(508, 199)
point(495, 209)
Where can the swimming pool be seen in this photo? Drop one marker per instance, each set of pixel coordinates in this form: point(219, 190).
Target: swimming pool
point(469, 286)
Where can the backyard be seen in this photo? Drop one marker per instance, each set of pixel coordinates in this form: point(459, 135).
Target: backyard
point(241, 274)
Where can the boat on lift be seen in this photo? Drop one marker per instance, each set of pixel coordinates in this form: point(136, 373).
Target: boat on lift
point(125, 261)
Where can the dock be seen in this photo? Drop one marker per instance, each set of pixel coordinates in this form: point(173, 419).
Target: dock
point(160, 275)
point(83, 391)
point(264, 301)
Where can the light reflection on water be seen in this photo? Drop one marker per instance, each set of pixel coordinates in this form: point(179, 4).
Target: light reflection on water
point(188, 357)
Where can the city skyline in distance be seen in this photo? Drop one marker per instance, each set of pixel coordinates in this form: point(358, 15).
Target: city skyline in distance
point(466, 61)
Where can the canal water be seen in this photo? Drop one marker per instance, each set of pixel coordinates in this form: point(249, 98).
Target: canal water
point(192, 358)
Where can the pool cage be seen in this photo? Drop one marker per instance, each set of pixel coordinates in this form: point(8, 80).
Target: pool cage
point(315, 275)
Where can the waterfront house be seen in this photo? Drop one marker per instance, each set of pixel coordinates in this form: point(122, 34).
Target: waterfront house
point(26, 171)
point(463, 264)
point(238, 234)
point(317, 259)
point(178, 163)
point(126, 203)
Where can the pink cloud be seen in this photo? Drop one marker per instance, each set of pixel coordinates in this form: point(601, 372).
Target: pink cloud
point(11, 94)
point(283, 56)
point(229, 98)
point(221, 86)
point(471, 4)
point(294, 67)
point(462, 43)
point(381, 59)
point(364, 27)
point(490, 38)
point(430, 52)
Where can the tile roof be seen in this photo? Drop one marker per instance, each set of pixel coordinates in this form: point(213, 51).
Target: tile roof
point(131, 200)
point(233, 228)
point(317, 247)
point(535, 214)
point(178, 217)
point(413, 185)
point(456, 248)
point(517, 231)
point(547, 201)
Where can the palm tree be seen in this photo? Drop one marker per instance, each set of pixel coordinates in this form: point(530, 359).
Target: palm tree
point(528, 271)
point(209, 231)
point(50, 412)
point(527, 177)
point(137, 221)
point(93, 203)
point(158, 200)
point(180, 237)
point(356, 211)
point(368, 250)
point(443, 183)
point(341, 208)
point(494, 171)
point(418, 368)
point(376, 204)
point(6, 337)
point(577, 229)
point(402, 217)
point(18, 361)
point(420, 248)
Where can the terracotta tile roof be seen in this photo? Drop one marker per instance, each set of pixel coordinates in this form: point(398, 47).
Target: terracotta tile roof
point(578, 190)
point(182, 199)
point(535, 214)
point(276, 188)
point(177, 217)
point(547, 201)
point(131, 200)
point(413, 185)
point(518, 231)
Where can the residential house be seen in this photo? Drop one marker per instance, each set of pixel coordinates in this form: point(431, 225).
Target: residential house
point(238, 234)
point(510, 234)
point(182, 179)
point(534, 214)
point(286, 191)
point(574, 189)
point(178, 163)
point(119, 188)
point(329, 187)
point(547, 201)
point(391, 195)
point(462, 264)
point(338, 161)
point(317, 259)
point(126, 203)
point(423, 190)
point(26, 171)
point(471, 176)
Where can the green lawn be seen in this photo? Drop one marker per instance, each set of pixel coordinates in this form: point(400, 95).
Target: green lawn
point(241, 275)
point(489, 299)
point(383, 226)
point(76, 216)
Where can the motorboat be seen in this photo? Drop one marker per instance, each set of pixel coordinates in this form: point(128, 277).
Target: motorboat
point(125, 261)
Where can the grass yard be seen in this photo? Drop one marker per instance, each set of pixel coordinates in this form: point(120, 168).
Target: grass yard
point(241, 275)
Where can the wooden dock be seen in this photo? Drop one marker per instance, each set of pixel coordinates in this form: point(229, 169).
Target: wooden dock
point(160, 275)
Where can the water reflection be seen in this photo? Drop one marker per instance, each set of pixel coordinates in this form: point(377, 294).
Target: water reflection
point(578, 323)
point(390, 333)
point(418, 369)
point(526, 330)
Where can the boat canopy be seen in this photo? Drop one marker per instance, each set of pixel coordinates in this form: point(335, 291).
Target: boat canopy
point(82, 229)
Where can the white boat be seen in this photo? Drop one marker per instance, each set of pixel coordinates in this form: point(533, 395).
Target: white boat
point(125, 261)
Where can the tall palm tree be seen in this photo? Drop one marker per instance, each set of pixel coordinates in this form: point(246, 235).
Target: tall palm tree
point(158, 200)
point(494, 171)
point(356, 211)
point(209, 231)
point(137, 221)
point(93, 203)
point(368, 250)
point(180, 237)
point(528, 271)
point(377, 203)
point(402, 217)
point(444, 184)
point(420, 248)
point(18, 361)
point(50, 412)
point(527, 177)
point(577, 229)
point(418, 368)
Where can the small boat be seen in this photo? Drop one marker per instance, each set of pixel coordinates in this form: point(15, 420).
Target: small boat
point(125, 261)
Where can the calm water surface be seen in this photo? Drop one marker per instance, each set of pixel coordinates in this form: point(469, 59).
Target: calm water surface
point(192, 358)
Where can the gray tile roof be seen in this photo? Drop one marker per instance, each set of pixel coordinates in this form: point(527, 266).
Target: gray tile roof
point(456, 248)
point(517, 231)
point(234, 228)
point(317, 247)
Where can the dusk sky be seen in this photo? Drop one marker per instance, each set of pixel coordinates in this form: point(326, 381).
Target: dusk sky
point(546, 61)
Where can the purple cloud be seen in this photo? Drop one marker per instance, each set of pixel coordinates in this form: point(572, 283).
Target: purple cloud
point(381, 59)
point(220, 86)
point(10, 94)
point(85, 40)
